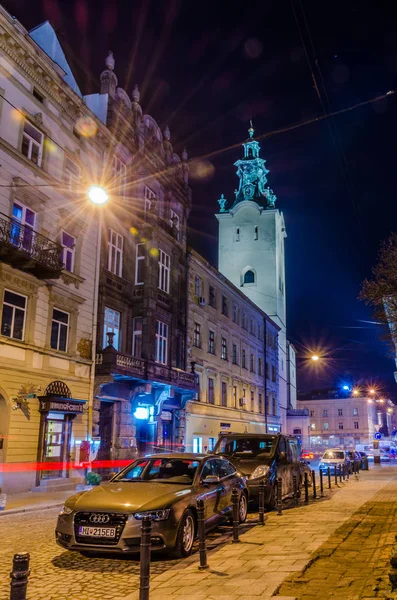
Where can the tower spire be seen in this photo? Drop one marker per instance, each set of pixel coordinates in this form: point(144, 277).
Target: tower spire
point(251, 130)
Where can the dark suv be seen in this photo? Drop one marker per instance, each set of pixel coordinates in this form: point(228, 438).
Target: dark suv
point(264, 457)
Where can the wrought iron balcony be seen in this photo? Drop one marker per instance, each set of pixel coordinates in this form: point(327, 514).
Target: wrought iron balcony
point(25, 249)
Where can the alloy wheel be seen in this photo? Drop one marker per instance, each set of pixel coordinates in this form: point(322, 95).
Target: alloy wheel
point(242, 508)
point(188, 533)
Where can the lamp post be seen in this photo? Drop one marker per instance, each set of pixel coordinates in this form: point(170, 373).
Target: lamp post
point(98, 196)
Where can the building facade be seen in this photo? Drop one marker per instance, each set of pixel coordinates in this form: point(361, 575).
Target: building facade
point(48, 237)
point(142, 379)
point(251, 255)
point(233, 346)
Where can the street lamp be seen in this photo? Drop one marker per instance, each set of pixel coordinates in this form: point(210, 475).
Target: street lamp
point(97, 195)
point(315, 357)
point(355, 392)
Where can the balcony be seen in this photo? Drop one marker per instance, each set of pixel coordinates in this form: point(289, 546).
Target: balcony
point(25, 249)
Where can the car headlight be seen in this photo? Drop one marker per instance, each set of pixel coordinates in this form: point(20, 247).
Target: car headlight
point(260, 471)
point(155, 515)
point(65, 511)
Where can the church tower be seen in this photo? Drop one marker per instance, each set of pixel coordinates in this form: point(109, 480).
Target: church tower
point(251, 251)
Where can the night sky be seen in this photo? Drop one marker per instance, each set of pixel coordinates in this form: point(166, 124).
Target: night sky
point(205, 68)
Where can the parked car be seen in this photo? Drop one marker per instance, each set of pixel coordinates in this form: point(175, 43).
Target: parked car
point(333, 459)
point(264, 457)
point(164, 487)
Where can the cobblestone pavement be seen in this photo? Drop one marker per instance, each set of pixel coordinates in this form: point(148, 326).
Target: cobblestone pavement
point(57, 574)
point(287, 545)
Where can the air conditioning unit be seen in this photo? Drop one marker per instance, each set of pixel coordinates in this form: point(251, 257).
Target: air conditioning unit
point(202, 301)
point(242, 401)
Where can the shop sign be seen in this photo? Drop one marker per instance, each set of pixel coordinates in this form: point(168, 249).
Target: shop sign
point(225, 425)
point(166, 415)
point(63, 405)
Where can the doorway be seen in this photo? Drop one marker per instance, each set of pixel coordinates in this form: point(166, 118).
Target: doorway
point(57, 435)
point(3, 431)
point(106, 419)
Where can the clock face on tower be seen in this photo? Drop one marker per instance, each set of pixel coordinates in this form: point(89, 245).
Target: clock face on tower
point(249, 191)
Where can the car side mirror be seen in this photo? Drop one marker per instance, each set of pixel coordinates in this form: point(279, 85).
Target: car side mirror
point(210, 479)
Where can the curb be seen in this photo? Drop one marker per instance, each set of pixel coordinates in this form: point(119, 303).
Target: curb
point(14, 511)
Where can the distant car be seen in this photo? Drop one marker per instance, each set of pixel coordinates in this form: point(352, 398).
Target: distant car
point(164, 487)
point(333, 459)
point(307, 455)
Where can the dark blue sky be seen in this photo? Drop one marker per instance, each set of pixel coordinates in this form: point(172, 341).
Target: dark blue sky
point(205, 68)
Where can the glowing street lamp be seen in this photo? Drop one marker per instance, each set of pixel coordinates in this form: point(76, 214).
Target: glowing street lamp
point(315, 357)
point(372, 391)
point(355, 392)
point(97, 195)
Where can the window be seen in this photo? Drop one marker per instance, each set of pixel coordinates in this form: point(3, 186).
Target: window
point(356, 425)
point(161, 345)
point(274, 373)
point(72, 174)
point(13, 317)
point(164, 272)
point(149, 196)
point(260, 334)
point(224, 393)
point(252, 401)
point(119, 174)
point(32, 143)
point(115, 253)
point(197, 335)
point(267, 371)
point(249, 277)
point(274, 405)
point(355, 412)
point(256, 232)
point(211, 342)
point(244, 321)
point(224, 349)
point(235, 396)
point(312, 412)
point(325, 413)
point(340, 412)
point(259, 366)
point(260, 403)
point(225, 306)
point(37, 95)
point(212, 297)
point(243, 359)
point(211, 399)
point(68, 249)
point(22, 236)
point(252, 326)
point(325, 426)
point(198, 444)
point(297, 431)
point(137, 337)
point(111, 323)
point(211, 443)
point(197, 286)
point(139, 264)
point(252, 366)
point(237, 234)
point(340, 425)
point(235, 313)
point(312, 426)
point(59, 330)
point(175, 223)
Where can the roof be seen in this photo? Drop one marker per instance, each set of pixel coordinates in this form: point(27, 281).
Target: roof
point(183, 455)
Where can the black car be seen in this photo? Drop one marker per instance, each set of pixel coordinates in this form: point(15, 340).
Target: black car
point(264, 457)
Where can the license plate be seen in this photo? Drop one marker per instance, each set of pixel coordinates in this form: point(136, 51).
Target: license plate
point(102, 532)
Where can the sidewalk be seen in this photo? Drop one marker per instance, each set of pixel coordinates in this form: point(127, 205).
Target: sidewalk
point(31, 501)
point(328, 534)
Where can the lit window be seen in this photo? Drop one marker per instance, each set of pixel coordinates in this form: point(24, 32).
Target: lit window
point(325, 426)
point(13, 316)
point(249, 277)
point(111, 324)
point(211, 398)
point(137, 337)
point(120, 174)
point(224, 393)
point(149, 197)
point(115, 253)
point(161, 345)
point(224, 349)
point(32, 143)
point(355, 412)
point(312, 426)
point(22, 232)
point(211, 342)
point(164, 272)
point(59, 330)
point(211, 443)
point(197, 445)
point(197, 335)
point(72, 174)
point(69, 245)
point(139, 264)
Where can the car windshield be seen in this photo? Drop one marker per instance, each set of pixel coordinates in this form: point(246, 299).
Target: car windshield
point(246, 446)
point(333, 454)
point(162, 470)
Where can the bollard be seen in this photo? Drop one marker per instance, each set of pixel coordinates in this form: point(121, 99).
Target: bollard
point(262, 502)
point(336, 475)
point(19, 576)
point(314, 485)
point(306, 489)
point(343, 471)
point(235, 539)
point(144, 564)
point(201, 534)
point(279, 496)
point(347, 472)
point(321, 485)
point(295, 489)
point(329, 478)
point(340, 473)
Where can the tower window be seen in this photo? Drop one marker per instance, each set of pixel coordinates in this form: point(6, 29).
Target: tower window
point(237, 234)
point(249, 277)
point(256, 232)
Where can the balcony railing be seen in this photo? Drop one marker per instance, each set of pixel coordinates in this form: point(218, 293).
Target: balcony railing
point(25, 249)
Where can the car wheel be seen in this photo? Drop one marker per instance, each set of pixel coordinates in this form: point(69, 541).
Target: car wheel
point(242, 508)
point(185, 536)
point(271, 505)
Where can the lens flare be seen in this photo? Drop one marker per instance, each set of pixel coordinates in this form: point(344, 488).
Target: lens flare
point(86, 127)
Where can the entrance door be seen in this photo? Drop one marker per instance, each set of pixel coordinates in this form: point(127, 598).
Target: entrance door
point(106, 430)
point(167, 434)
point(144, 436)
point(56, 445)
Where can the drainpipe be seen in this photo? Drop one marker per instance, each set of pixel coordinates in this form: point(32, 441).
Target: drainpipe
point(265, 370)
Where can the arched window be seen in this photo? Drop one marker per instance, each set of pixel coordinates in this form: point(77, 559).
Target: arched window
point(297, 431)
point(256, 232)
point(249, 277)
